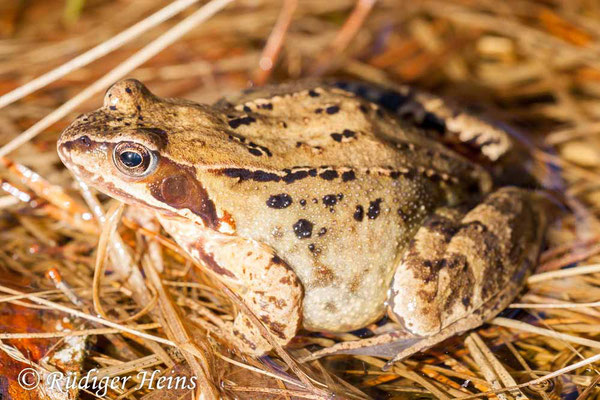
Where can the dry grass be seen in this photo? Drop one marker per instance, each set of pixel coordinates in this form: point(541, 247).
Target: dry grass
point(532, 64)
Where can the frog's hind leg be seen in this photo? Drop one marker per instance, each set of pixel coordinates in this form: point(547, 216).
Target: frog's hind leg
point(460, 271)
point(396, 345)
point(435, 114)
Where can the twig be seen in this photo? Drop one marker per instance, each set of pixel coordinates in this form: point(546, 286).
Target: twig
point(146, 53)
point(258, 370)
point(584, 395)
point(99, 51)
point(563, 273)
point(92, 318)
point(344, 35)
point(500, 371)
point(555, 305)
point(539, 380)
point(522, 326)
point(483, 363)
point(82, 332)
point(270, 53)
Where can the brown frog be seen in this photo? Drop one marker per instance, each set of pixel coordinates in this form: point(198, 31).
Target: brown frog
point(323, 206)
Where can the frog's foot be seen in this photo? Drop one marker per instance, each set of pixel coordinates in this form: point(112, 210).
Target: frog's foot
point(247, 336)
point(397, 345)
point(385, 345)
point(268, 287)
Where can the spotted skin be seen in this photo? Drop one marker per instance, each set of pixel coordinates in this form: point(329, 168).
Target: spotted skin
point(302, 197)
point(458, 261)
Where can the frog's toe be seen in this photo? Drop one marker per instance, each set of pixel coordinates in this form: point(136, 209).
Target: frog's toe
point(248, 337)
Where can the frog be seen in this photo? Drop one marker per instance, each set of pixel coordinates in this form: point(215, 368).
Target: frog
point(324, 206)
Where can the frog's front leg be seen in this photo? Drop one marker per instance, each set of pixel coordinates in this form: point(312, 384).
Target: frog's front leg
point(267, 285)
point(461, 269)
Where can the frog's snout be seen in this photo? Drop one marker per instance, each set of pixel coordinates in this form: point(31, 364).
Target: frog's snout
point(63, 153)
point(65, 148)
point(72, 143)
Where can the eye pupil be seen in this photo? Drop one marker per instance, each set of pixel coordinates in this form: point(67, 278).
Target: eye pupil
point(131, 159)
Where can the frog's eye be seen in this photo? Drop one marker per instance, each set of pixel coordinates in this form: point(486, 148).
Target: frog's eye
point(133, 159)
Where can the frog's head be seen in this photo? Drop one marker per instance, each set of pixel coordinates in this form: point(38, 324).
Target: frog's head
point(123, 150)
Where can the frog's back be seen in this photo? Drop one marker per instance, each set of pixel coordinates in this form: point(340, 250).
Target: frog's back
point(337, 186)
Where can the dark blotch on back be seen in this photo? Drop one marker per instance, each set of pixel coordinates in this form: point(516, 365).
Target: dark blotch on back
point(348, 176)
point(245, 174)
point(332, 109)
point(264, 176)
point(259, 148)
point(431, 121)
point(247, 120)
point(392, 100)
point(279, 201)
point(303, 229)
point(347, 133)
point(294, 176)
point(374, 209)
point(337, 137)
point(255, 152)
point(330, 200)
point(359, 213)
point(329, 175)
